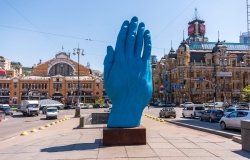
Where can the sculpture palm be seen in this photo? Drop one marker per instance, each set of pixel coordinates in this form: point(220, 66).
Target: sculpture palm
point(128, 75)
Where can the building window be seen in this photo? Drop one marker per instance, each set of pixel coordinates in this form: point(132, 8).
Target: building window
point(209, 62)
point(15, 85)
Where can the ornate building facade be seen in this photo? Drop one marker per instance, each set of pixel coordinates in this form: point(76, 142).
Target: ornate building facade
point(56, 79)
point(202, 71)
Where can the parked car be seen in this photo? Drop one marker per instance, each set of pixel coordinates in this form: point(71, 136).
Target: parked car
point(242, 104)
point(232, 120)
point(167, 112)
point(193, 111)
point(2, 116)
point(166, 104)
point(6, 109)
point(216, 105)
point(83, 106)
point(212, 115)
point(186, 104)
point(231, 109)
point(52, 112)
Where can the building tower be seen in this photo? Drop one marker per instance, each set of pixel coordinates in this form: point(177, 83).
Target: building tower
point(196, 30)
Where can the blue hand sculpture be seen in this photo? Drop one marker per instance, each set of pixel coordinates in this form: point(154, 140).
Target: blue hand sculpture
point(128, 74)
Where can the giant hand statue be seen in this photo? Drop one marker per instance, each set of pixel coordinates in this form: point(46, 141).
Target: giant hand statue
point(128, 74)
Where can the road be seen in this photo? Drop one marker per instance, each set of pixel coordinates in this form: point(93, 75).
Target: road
point(154, 111)
point(13, 126)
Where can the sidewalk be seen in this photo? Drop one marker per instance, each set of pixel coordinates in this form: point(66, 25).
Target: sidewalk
point(165, 141)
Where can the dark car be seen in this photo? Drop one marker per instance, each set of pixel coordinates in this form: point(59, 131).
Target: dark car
point(167, 112)
point(166, 104)
point(7, 110)
point(212, 115)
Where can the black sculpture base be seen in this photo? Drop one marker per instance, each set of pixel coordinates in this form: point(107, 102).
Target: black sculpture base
point(124, 136)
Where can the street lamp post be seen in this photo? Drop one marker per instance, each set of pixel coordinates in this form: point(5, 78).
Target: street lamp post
point(78, 52)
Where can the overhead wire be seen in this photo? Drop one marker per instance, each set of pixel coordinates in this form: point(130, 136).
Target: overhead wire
point(174, 19)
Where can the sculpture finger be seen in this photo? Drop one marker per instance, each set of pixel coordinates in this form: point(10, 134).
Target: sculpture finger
point(121, 40)
point(147, 46)
point(108, 62)
point(139, 40)
point(130, 42)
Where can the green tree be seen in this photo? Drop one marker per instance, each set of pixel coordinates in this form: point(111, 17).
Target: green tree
point(246, 93)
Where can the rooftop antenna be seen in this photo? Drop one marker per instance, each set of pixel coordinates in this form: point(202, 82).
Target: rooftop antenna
point(62, 48)
point(171, 45)
point(183, 35)
point(218, 36)
point(196, 13)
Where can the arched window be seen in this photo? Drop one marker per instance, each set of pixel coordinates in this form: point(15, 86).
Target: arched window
point(63, 69)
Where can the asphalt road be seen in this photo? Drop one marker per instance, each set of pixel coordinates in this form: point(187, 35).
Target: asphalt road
point(154, 111)
point(13, 126)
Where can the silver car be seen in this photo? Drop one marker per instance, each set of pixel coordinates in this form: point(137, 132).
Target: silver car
point(232, 120)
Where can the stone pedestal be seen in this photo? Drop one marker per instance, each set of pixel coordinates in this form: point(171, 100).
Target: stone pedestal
point(77, 112)
point(124, 136)
point(81, 122)
point(245, 135)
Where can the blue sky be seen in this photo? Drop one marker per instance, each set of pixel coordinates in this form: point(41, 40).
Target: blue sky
point(31, 30)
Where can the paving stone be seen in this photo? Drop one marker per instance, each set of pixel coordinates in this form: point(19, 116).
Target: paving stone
point(156, 139)
point(161, 145)
point(197, 153)
point(139, 152)
point(168, 152)
point(210, 145)
point(112, 152)
point(185, 145)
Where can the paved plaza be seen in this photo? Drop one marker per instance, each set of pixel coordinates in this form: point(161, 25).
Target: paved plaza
point(165, 141)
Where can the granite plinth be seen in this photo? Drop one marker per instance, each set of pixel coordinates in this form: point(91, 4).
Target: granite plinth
point(124, 136)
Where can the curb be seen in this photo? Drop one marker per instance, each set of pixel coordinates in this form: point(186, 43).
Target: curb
point(237, 139)
point(220, 133)
point(234, 137)
point(34, 130)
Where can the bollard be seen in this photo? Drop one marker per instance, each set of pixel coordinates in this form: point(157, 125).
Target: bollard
point(81, 122)
point(77, 112)
point(245, 132)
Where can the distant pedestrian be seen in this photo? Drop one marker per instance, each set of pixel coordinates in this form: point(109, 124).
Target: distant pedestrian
point(148, 106)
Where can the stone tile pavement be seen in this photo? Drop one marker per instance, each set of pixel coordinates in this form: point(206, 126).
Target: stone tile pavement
point(165, 141)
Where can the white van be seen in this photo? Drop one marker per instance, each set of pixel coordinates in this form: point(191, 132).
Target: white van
point(193, 111)
point(51, 112)
point(29, 107)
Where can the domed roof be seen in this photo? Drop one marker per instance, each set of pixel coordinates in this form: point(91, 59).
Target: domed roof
point(218, 46)
point(184, 45)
